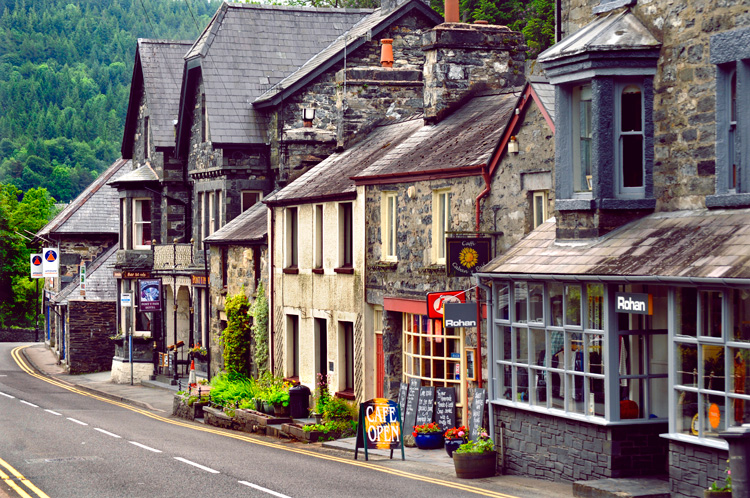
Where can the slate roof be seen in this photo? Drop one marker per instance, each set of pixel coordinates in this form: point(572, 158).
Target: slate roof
point(96, 210)
point(144, 173)
point(678, 245)
point(246, 49)
point(250, 226)
point(546, 94)
point(466, 138)
point(332, 178)
point(359, 34)
point(100, 281)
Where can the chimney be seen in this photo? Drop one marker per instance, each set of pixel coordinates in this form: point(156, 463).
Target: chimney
point(386, 52)
point(451, 11)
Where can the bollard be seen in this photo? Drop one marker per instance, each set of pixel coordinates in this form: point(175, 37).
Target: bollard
point(739, 459)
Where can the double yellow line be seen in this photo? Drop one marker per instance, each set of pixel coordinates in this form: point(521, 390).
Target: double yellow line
point(16, 353)
point(11, 481)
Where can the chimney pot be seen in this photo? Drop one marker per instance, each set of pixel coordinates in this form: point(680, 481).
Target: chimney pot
point(481, 21)
point(451, 11)
point(386, 52)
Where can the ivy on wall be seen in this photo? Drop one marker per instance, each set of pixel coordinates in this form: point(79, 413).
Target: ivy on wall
point(260, 330)
point(235, 340)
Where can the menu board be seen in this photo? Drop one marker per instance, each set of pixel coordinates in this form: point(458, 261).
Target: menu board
point(445, 407)
point(412, 397)
point(426, 405)
point(477, 412)
point(403, 389)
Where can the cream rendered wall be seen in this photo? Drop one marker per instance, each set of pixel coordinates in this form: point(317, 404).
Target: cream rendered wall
point(332, 296)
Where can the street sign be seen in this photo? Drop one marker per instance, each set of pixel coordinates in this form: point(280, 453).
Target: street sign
point(36, 266)
point(126, 299)
point(50, 262)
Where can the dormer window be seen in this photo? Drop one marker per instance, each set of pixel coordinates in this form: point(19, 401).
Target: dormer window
point(582, 141)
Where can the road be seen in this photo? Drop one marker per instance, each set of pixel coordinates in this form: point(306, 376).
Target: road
point(62, 442)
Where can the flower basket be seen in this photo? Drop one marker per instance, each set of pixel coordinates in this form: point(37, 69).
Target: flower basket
point(475, 465)
point(429, 440)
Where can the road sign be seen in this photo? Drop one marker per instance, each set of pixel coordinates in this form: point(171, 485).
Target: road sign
point(126, 299)
point(50, 262)
point(36, 266)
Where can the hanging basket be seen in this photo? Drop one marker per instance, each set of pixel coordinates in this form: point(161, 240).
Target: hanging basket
point(475, 465)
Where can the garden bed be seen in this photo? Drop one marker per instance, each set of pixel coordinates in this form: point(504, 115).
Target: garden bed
point(188, 407)
point(298, 432)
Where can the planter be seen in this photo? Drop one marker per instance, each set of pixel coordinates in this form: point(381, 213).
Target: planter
point(280, 410)
point(475, 465)
point(267, 407)
point(429, 440)
point(318, 418)
point(716, 494)
point(452, 444)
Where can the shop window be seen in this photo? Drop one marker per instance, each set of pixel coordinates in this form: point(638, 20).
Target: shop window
point(441, 223)
point(389, 225)
point(141, 223)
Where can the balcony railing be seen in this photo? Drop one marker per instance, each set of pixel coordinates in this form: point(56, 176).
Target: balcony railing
point(173, 256)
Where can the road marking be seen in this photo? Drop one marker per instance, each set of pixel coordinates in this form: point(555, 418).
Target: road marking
point(18, 477)
point(54, 413)
point(30, 404)
point(77, 421)
point(145, 447)
point(8, 395)
point(202, 467)
point(107, 433)
point(259, 488)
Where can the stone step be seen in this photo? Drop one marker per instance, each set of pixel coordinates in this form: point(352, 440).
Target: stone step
point(633, 487)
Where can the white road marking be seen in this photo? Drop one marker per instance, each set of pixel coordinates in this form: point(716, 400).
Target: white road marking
point(77, 421)
point(54, 413)
point(145, 447)
point(8, 395)
point(202, 467)
point(107, 433)
point(259, 488)
point(30, 404)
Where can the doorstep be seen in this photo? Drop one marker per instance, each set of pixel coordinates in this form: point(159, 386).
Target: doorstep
point(630, 487)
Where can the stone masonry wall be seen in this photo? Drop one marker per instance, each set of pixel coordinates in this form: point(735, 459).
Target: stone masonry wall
point(74, 249)
point(91, 323)
point(556, 448)
point(693, 468)
point(21, 335)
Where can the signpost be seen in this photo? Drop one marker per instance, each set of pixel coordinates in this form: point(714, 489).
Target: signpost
point(379, 427)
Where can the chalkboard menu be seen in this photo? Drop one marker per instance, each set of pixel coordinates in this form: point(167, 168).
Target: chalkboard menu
point(445, 407)
point(403, 389)
point(477, 412)
point(426, 405)
point(412, 397)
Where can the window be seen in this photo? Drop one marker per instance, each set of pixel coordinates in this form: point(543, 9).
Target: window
point(124, 238)
point(250, 198)
point(712, 349)
point(318, 237)
point(204, 119)
point(441, 222)
point(146, 145)
point(217, 211)
point(292, 345)
point(200, 220)
point(346, 366)
point(389, 224)
point(582, 140)
point(732, 145)
point(539, 207)
point(141, 223)
point(321, 348)
point(629, 136)
point(345, 235)
point(224, 267)
point(211, 213)
point(290, 222)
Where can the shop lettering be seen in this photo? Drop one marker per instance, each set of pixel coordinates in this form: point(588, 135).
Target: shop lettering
point(460, 323)
point(630, 305)
point(378, 415)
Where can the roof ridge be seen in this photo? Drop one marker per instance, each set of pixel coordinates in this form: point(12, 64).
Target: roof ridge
point(301, 8)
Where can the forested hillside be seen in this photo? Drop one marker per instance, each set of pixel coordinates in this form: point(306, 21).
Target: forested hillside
point(65, 69)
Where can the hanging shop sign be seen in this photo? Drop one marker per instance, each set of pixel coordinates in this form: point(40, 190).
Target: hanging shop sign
point(460, 315)
point(638, 304)
point(150, 294)
point(35, 261)
point(50, 262)
point(199, 280)
point(436, 301)
point(465, 256)
point(136, 274)
point(379, 426)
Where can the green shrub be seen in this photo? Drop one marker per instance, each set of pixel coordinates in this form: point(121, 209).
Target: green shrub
point(337, 409)
point(230, 389)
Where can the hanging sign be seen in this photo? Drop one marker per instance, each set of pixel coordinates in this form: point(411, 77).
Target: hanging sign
point(50, 262)
point(436, 301)
point(460, 315)
point(135, 274)
point(199, 280)
point(465, 256)
point(150, 294)
point(638, 304)
point(379, 426)
point(36, 266)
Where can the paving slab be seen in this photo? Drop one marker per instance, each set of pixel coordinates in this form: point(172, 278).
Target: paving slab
point(637, 487)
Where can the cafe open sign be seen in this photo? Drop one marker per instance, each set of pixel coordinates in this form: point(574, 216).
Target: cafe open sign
point(379, 426)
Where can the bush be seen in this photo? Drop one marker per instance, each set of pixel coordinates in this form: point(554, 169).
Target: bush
point(231, 389)
point(337, 409)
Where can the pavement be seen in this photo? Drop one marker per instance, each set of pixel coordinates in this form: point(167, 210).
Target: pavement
point(158, 397)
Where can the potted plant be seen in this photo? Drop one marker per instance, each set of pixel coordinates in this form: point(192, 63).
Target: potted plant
point(322, 397)
point(280, 401)
point(455, 437)
point(198, 352)
point(716, 491)
point(428, 436)
point(477, 458)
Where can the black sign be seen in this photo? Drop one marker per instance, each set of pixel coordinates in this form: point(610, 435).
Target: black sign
point(639, 304)
point(136, 274)
point(460, 315)
point(477, 412)
point(445, 407)
point(426, 405)
point(465, 256)
point(412, 398)
point(403, 389)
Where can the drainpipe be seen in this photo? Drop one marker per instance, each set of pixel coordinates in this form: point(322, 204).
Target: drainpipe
point(490, 360)
point(482, 194)
point(271, 300)
point(207, 318)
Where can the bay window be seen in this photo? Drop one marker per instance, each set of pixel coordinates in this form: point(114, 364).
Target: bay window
point(141, 223)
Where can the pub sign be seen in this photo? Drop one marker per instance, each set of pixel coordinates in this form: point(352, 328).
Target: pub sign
point(464, 256)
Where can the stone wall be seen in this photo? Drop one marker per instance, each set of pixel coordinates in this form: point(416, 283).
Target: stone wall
point(556, 448)
point(22, 335)
point(90, 326)
point(74, 249)
point(693, 468)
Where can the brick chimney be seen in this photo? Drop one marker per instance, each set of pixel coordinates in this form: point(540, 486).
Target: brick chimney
point(463, 59)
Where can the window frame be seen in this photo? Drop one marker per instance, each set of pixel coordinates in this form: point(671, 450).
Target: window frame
point(346, 235)
point(318, 255)
point(543, 195)
point(622, 191)
point(291, 237)
point(146, 141)
point(138, 224)
point(441, 223)
point(389, 226)
point(577, 94)
point(243, 205)
point(347, 352)
point(292, 345)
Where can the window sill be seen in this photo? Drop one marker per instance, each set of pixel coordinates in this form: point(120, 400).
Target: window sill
point(346, 270)
point(613, 204)
point(728, 201)
point(384, 265)
point(292, 270)
point(579, 417)
point(318, 271)
point(684, 438)
point(346, 394)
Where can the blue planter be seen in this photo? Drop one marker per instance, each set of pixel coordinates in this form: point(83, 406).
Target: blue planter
point(429, 441)
point(452, 445)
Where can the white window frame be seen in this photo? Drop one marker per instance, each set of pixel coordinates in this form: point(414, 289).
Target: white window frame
point(441, 223)
point(539, 199)
point(244, 205)
point(389, 226)
point(138, 224)
point(291, 238)
point(211, 213)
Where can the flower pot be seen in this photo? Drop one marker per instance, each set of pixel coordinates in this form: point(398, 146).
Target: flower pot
point(452, 444)
point(318, 418)
point(475, 465)
point(279, 410)
point(267, 408)
point(429, 440)
point(716, 494)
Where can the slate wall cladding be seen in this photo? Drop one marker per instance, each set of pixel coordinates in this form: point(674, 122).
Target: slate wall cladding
point(155, 159)
point(556, 448)
point(89, 346)
point(685, 91)
point(74, 249)
point(694, 468)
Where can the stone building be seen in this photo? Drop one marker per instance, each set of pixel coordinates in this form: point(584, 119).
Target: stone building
point(619, 340)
